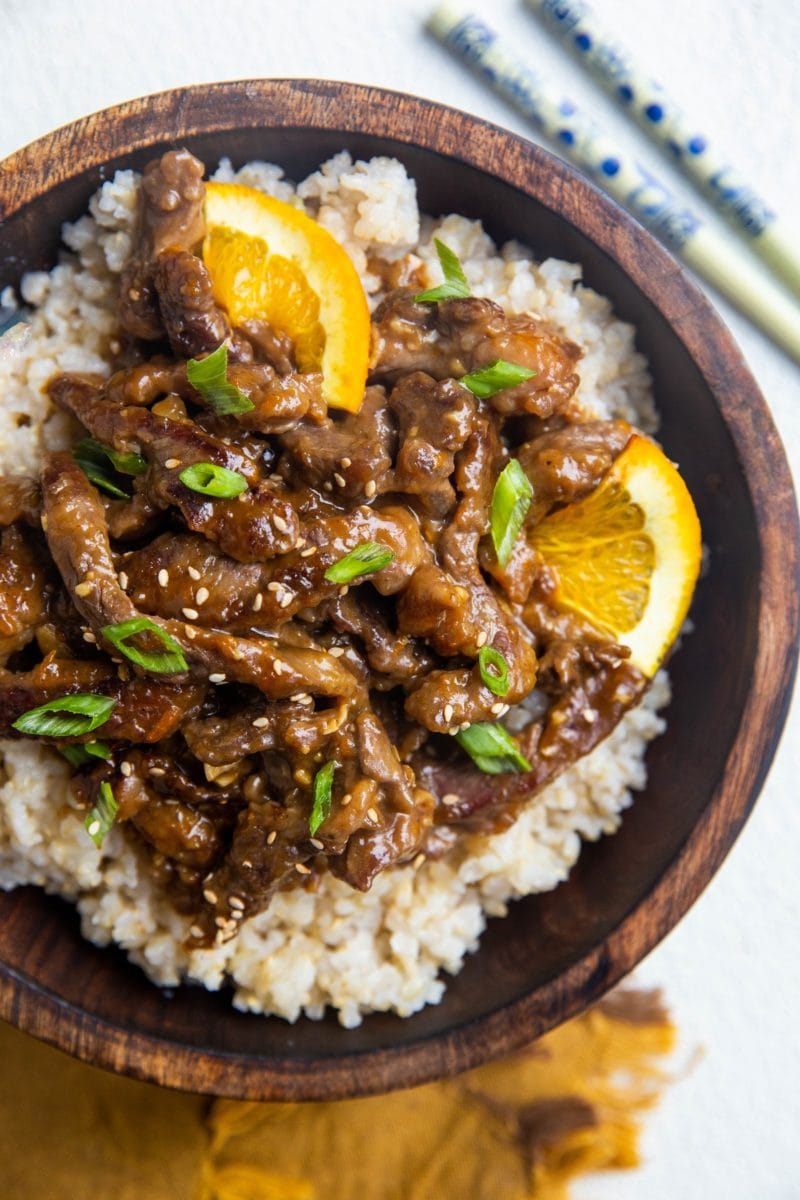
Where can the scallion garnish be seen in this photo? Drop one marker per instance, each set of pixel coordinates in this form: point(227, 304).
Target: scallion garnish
point(167, 663)
point(494, 670)
point(93, 460)
point(209, 377)
point(69, 716)
point(364, 560)
point(492, 749)
point(455, 286)
point(323, 785)
point(85, 752)
point(100, 818)
point(210, 480)
point(495, 378)
point(511, 500)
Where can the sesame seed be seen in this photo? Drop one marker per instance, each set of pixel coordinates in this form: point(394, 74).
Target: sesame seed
point(480, 640)
point(236, 902)
point(271, 837)
point(237, 914)
point(123, 581)
point(279, 666)
point(418, 861)
point(448, 713)
point(497, 708)
point(344, 589)
point(347, 462)
point(589, 716)
point(299, 697)
point(44, 523)
point(258, 600)
point(236, 653)
point(201, 595)
point(557, 717)
point(276, 478)
point(286, 599)
point(191, 614)
point(157, 771)
point(261, 722)
point(280, 524)
point(93, 828)
point(327, 486)
point(373, 816)
point(461, 728)
point(547, 751)
point(84, 589)
point(370, 488)
point(126, 768)
point(163, 577)
point(246, 863)
point(308, 552)
point(171, 463)
point(190, 633)
point(221, 921)
point(336, 651)
point(302, 869)
point(194, 573)
point(451, 798)
point(88, 636)
point(339, 479)
point(210, 896)
point(300, 542)
point(346, 798)
point(274, 586)
point(196, 931)
point(317, 844)
point(217, 677)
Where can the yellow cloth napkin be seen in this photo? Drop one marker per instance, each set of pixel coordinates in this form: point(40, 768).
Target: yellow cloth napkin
point(517, 1129)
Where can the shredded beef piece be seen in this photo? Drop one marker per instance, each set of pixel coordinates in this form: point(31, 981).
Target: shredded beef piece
point(453, 338)
point(192, 320)
point(20, 500)
point(343, 454)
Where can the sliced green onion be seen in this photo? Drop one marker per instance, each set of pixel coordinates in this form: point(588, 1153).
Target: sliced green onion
point(166, 663)
point(495, 378)
point(494, 670)
point(100, 819)
point(79, 754)
point(209, 377)
point(492, 749)
point(94, 464)
point(210, 480)
point(455, 286)
point(323, 785)
point(126, 464)
point(364, 560)
point(83, 713)
point(511, 500)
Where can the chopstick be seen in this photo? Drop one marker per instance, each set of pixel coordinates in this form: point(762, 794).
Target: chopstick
point(613, 66)
point(716, 258)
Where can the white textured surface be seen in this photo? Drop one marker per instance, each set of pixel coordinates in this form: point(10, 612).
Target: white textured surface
point(732, 967)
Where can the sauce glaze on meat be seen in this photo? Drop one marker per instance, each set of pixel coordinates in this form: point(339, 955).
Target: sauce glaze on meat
point(213, 767)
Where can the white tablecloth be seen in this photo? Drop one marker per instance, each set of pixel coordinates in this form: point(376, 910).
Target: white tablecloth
point(732, 968)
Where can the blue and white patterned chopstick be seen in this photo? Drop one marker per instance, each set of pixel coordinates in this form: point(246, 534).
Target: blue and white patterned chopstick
point(613, 66)
point(715, 257)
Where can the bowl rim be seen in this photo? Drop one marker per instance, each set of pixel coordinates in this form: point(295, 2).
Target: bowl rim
point(119, 130)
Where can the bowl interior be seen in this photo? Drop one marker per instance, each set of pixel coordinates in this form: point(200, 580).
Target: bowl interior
point(543, 936)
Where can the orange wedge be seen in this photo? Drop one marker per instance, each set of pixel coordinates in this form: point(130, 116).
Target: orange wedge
point(628, 555)
point(268, 259)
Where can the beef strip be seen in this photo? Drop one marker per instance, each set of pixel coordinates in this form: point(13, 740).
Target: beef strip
point(455, 337)
point(192, 320)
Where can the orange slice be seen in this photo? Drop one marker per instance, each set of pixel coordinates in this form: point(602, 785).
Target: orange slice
point(268, 259)
point(628, 555)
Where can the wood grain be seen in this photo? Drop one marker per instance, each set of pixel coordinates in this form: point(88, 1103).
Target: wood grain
point(557, 953)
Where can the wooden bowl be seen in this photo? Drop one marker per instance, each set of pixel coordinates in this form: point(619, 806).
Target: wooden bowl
point(555, 953)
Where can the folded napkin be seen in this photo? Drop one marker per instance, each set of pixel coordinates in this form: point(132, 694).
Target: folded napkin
point(520, 1128)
